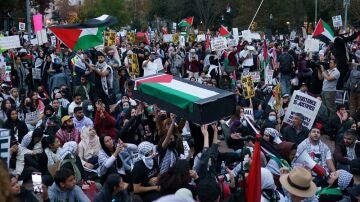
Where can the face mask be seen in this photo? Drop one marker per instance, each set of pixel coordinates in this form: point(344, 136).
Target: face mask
point(272, 118)
point(48, 115)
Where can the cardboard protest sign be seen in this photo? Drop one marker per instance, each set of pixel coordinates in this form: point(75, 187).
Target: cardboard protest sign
point(235, 32)
point(249, 111)
point(248, 85)
point(182, 41)
point(312, 45)
point(109, 38)
point(254, 75)
point(53, 40)
point(305, 104)
point(36, 73)
point(176, 38)
point(218, 43)
point(9, 42)
point(5, 145)
point(167, 38)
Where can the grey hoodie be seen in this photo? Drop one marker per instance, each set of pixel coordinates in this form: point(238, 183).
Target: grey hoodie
point(75, 195)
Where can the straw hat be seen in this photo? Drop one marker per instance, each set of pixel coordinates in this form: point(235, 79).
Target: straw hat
point(299, 182)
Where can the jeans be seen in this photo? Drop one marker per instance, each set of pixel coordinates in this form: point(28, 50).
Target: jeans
point(328, 99)
point(285, 82)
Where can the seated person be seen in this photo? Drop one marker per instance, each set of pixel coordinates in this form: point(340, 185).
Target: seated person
point(296, 132)
point(347, 150)
point(89, 147)
point(339, 123)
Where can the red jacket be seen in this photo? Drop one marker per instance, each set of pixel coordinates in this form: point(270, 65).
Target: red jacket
point(105, 126)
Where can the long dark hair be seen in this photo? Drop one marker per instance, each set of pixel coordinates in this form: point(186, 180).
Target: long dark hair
point(176, 177)
point(112, 181)
point(3, 104)
point(38, 132)
point(8, 114)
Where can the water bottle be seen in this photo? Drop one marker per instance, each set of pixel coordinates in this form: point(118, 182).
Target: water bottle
point(223, 167)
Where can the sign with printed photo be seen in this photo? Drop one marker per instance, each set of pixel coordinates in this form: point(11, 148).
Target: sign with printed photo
point(248, 85)
point(305, 104)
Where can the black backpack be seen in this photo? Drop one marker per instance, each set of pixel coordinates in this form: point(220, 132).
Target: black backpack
point(286, 61)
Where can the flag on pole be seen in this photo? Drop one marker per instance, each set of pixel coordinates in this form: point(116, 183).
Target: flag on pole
point(187, 22)
point(223, 31)
point(323, 32)
point(83, 35)
point(253, 189)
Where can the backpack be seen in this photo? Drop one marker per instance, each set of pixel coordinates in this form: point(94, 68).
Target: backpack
point(353, 83)
point(286, 61)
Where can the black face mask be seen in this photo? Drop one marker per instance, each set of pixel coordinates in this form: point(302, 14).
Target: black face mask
point(48, 115)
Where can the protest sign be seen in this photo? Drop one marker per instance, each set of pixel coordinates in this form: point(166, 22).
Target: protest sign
point(305, 104)
point(312, 45)
point(22, 26)
point(292, 35)
point(41, 37)
point(200, 38)
point(269, 76)
point(32, 117)
point(191, 38)
point(235, 32)
point(9, 42)
point(277, 96)
point(7, 76)
point(159, 64)
point(53, 40)
point(167, 38)
point(182, 41)
point(38, 22)
point(249, 111)
point(36, 73)
point(218, 43)
point(337, 21)
point(109, 38)
point(254, 75)
point(248, 85)
point(176, 38)
point(5, 145)
point(232, 42)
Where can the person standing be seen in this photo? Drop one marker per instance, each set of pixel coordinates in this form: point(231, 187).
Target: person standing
point(286, 65)
point(330, 78)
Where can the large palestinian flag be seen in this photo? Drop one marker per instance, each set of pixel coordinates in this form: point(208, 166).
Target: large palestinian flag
point(323, 32)
point(83, 35)
point(187, 99)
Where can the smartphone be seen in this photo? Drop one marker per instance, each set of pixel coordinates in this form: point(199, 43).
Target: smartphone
point(37, 182)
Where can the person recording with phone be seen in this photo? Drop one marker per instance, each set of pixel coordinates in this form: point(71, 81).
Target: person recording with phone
point(149, 66)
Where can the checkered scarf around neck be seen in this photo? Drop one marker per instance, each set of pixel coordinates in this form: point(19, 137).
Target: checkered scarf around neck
point(143, 150)
point(344, 179)
point(322, 151)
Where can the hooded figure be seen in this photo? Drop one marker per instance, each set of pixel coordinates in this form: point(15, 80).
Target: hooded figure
point(268, 187)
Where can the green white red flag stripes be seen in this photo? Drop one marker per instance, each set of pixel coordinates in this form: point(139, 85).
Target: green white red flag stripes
point(323, 32)
point(83, 35)
point(186, 22)
point(173, 91)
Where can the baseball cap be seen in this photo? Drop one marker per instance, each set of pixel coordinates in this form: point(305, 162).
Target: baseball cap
point(64, 119)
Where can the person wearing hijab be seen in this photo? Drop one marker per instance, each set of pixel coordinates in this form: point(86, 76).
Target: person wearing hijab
point(145, 173)
point(89, 147)
point(268, 188)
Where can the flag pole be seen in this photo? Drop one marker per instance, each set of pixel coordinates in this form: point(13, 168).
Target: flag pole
point(256, 14)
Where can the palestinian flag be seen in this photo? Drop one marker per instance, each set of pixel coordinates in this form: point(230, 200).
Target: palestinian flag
point(223, 31)
point(323, 32)
point(83, 35)
point(186, 22)
point(173, 90)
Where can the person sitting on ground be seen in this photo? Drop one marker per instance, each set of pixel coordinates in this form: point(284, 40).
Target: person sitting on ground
point(339, 123)
point(347, 150)
point(76, 103)
point(51, 147)
point(296, 132)
point(269, 193)
point(65, 189)
point(114, 189)
point(89, 148)
point(67, 132)
point(80, 120)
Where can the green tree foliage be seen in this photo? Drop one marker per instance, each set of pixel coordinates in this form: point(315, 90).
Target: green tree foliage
point(96, 8)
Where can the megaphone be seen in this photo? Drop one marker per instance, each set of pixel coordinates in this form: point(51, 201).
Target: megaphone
point(305, 160)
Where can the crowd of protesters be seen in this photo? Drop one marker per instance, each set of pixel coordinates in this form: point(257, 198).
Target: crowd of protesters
point(80, 126)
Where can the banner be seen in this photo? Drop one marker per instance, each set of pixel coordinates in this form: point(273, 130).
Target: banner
point(305, 104)
point(248, 85)
point(218, 43)
point(38, 22)
point(22, 26)
point(5, 145)
point(254, 75)
point(109, 38)
point(9, 42)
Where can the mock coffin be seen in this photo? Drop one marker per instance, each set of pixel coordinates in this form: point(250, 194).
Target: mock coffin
point(195, 102)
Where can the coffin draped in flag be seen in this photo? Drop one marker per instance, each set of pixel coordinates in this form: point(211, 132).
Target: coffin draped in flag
point(198, 103)
point(83, 35)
